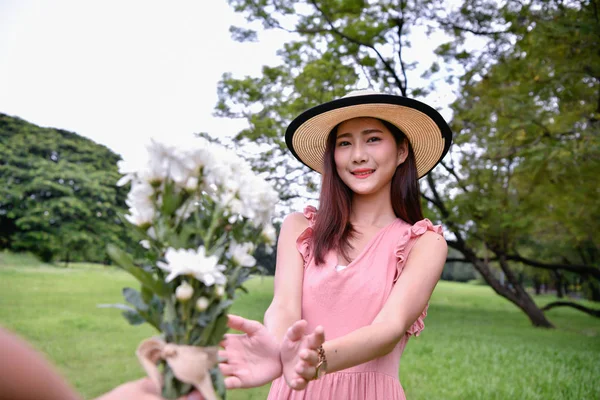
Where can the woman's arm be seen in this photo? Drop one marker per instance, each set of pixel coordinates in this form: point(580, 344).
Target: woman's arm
point(253, 358)
point(285, 309)
point(406, 302)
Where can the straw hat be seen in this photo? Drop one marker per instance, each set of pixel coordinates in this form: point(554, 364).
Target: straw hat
point(428, 133)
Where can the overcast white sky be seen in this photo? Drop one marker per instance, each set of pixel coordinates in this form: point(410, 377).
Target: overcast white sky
point(123, 71)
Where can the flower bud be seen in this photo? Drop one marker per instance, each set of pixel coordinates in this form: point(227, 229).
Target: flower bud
point(184, 292)
point(202, 304)
point(191, 184)
point(219, 291)
point(268, 249)
point(269, 234)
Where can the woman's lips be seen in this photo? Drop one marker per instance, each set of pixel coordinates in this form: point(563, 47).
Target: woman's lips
point(362, 173)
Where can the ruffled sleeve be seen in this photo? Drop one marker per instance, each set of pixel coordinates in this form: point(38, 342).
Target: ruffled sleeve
point(304, 241)
point(407, 241)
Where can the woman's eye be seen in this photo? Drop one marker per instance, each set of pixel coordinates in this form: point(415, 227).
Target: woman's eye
point(373, 139)
point(343, 144)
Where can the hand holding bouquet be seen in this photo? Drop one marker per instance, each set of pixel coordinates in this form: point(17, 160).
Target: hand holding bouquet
point(201, 213)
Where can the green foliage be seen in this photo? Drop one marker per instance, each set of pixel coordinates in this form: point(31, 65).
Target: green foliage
point(529, 137)
point(25, 259)
point(58, 198)
point(124, 260)
point(458, 271)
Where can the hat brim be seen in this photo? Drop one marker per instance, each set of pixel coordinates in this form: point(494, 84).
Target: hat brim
point(428, 133)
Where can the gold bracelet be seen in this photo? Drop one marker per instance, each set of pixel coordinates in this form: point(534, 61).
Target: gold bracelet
point(321, 364)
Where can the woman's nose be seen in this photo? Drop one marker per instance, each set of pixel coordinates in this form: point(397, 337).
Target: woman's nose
point(359, 154)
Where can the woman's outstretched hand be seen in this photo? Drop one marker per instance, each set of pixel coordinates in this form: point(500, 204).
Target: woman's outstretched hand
point(299, 355)
point(250, 359)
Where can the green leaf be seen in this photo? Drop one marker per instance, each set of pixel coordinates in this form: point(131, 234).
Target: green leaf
point(218, 382)
point(243, 35)
point(134, 298)
point(123, 307)
point(210, 321)
point(220, 328)
point(147, 294)
point(133, 317)
point(125, 261)
point(170, 199)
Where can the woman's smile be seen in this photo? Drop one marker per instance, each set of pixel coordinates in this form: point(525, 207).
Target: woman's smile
point(362, 173)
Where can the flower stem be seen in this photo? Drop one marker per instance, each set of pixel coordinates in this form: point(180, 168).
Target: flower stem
point(211, 229)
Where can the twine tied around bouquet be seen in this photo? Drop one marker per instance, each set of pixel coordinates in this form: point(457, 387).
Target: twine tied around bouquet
point(190, 364)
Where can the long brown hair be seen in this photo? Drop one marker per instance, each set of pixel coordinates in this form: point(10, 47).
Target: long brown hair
point(332, 229)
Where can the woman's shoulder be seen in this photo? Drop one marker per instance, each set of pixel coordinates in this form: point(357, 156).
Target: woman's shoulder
point(299, 221)
point(412, 233)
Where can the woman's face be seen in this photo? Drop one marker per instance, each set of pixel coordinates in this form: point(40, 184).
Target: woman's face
point(366, 155)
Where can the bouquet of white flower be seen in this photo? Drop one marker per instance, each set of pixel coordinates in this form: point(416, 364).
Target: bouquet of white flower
point(201, 212)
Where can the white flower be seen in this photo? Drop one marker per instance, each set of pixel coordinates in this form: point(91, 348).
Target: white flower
point(241, 254)
point(145, 244)
point(220, 290)
point(194, 263)
point(202, 304)
point(191, 184)
point(139, 200)
point(155, 170)
point(166, 161)
point(151, 232)
point(258, 198)
point(184, 292)
point(125, 179)
point(128, 168)
point(231, 182)
point(202, 155)
point(269, 234)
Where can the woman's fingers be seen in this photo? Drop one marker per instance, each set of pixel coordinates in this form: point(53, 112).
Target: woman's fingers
point(299, 384)
point(233, 382)
point(307, 372)
point(310, 357)
point(296, 331)
point(227, 369)
point(317, 338)
point(223, 356)
point(242, 324)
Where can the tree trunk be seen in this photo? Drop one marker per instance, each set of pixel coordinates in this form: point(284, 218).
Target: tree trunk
point(593, 290)
point(521, 298)
point(558, 284)
point(537, 285)
point(513, 291)
point(516, 294)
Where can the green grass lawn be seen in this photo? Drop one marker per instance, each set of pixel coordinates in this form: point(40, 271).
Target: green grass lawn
point(475, 346)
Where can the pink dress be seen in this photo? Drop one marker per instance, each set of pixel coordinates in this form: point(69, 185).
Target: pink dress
point(343, 301)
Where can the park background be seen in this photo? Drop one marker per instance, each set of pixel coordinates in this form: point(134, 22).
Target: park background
point(516, 314)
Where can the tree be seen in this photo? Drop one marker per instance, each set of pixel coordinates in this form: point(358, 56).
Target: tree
point(58, 197)
point(341, 43)
point(532, 118)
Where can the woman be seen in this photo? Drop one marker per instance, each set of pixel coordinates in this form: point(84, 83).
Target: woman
point(362, 268)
